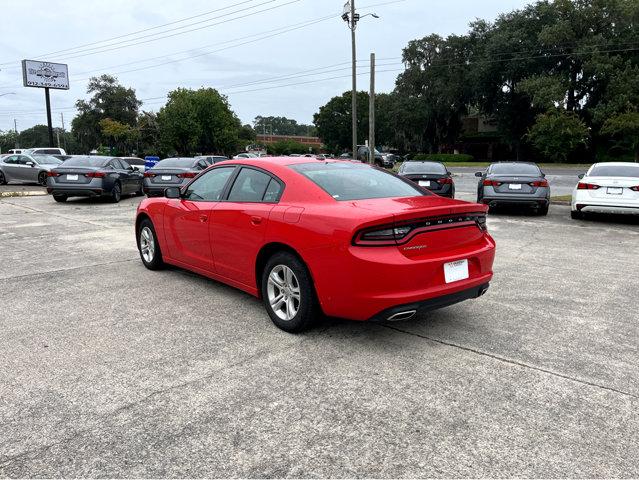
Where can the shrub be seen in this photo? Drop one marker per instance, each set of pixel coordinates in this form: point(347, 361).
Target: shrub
point(444, 157)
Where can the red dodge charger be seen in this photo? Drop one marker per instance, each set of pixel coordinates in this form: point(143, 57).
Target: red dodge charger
point(314, 236)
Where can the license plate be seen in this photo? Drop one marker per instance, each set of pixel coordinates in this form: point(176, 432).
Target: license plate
point(514, 186)
point(614, 190)
point(456, 271)
point(424, 183)
point(72, 177)
point(166, 177)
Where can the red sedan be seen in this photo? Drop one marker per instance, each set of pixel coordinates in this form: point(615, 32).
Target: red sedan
point(313, 236)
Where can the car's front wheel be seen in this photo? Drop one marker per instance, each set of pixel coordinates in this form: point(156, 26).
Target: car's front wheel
point(3, 180)
point(116, 193)
point(148, 246)
point(288, 293)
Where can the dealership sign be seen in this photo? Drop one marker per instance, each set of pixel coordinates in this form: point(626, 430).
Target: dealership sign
point(45, 74)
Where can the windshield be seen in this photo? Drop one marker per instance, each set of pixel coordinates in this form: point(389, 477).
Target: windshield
point(347, 181)
point(526, 169)
point(47, 160)
point(176, 163)
point(86, 161)
point(614, 171)
point(423, 167)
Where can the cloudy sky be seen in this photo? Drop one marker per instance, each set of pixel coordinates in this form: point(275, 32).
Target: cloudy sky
point(270, 57)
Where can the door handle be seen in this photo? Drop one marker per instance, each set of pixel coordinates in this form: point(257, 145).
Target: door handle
point(203, 218)
point(256, 220)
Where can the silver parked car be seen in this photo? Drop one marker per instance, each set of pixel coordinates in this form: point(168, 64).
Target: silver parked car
point(26, 168)
point(516, 184)
point(172, 172)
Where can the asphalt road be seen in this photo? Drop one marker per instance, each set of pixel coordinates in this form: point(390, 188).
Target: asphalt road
point(110, 370)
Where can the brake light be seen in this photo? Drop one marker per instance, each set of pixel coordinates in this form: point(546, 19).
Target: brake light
point(635, 188)
point(586, 186)
point(53, 174)
point(149, 175)
point(539, 183)
point(186, 175)
point(95, 174)
point(491, 183)
point(445, 181)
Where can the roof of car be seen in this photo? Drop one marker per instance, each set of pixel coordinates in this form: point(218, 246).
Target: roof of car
point(618, 164)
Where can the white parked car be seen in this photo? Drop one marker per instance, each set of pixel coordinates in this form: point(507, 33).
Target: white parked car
point(607, 188)
point(45, 151)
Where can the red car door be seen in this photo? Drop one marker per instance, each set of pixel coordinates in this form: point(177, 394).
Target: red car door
point(238, 224)
point(186, 220)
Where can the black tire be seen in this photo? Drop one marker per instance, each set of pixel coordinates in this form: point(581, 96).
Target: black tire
point(3, 181)
point(60, 198)
point(42, 179)
point(155, 262)
point(543, 210)
point(116, 193)
point(576, 215)
point(139, 192)
point(308, 309)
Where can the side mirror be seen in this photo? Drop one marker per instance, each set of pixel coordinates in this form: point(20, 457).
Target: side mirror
point(479, 174)
point(581, 175)
point(30, 164)
point(132, 168)
point(172, 192)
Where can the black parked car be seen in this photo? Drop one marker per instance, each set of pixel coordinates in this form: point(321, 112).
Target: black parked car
point(93, 176)
point(514, 183)
point(433, 176)
point(172, 172)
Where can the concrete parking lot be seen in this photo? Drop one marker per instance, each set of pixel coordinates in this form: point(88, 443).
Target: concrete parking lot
point(111, 370)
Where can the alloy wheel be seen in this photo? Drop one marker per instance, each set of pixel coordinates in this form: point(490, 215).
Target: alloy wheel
point(147, 244)
point(42, 179)
point(283, 290)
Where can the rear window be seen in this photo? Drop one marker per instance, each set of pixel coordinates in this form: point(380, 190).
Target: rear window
point(423, 167)
point(176, 163)
point(87, 161)
point(515, 169)
point(47, 160)
point(614, 171)
point(134, 161)
point(346, 181)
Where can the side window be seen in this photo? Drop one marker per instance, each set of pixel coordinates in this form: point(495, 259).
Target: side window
point(124, 164)
point(273, 191)
point(116, 164)
point(210, 186)
point(250, 186)
point(111, 165)
point(12, 160)
point(22, 160)
point(202, 165)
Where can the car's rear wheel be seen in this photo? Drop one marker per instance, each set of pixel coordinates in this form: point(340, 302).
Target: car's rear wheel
point(543, 210)
point(288, 293)
point(148, 246)
point(576, 215)
point(42, 178)
point(116, 193)
point(139, 191)
point(60, 198)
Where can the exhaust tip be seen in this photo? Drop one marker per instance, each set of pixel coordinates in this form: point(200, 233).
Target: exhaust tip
point(397, 317)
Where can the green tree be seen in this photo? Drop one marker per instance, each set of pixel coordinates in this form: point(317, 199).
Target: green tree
point(109, 100)
point(286, 147)
point(198, 121)
point(8, 140)
point(556, 134)
point(334, 124)
point(281, 126)
point(625, 129)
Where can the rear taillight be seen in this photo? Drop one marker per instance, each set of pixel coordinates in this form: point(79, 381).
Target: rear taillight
point(635, 188)
point(586, 186)
point(186, 175)
point(445, 181)
point(539, 183)
point(402, 233)
point(53, 174)
point(491, 183)
point(149, 175)
point(95, 174)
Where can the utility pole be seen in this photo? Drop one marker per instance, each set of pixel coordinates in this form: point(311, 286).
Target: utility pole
point(354, 93)
point(15, 127)
point(371, 114)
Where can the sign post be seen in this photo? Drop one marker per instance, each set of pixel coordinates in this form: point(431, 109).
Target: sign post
point(46, 75)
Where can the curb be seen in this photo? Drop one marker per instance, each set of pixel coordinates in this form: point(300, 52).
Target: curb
point(25, 193)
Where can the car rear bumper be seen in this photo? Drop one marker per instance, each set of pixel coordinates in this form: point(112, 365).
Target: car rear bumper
point(522, 200)
point(614, 209)
point(157, 191)
point(406, 311)
point(374, 281)
point(77, 192)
